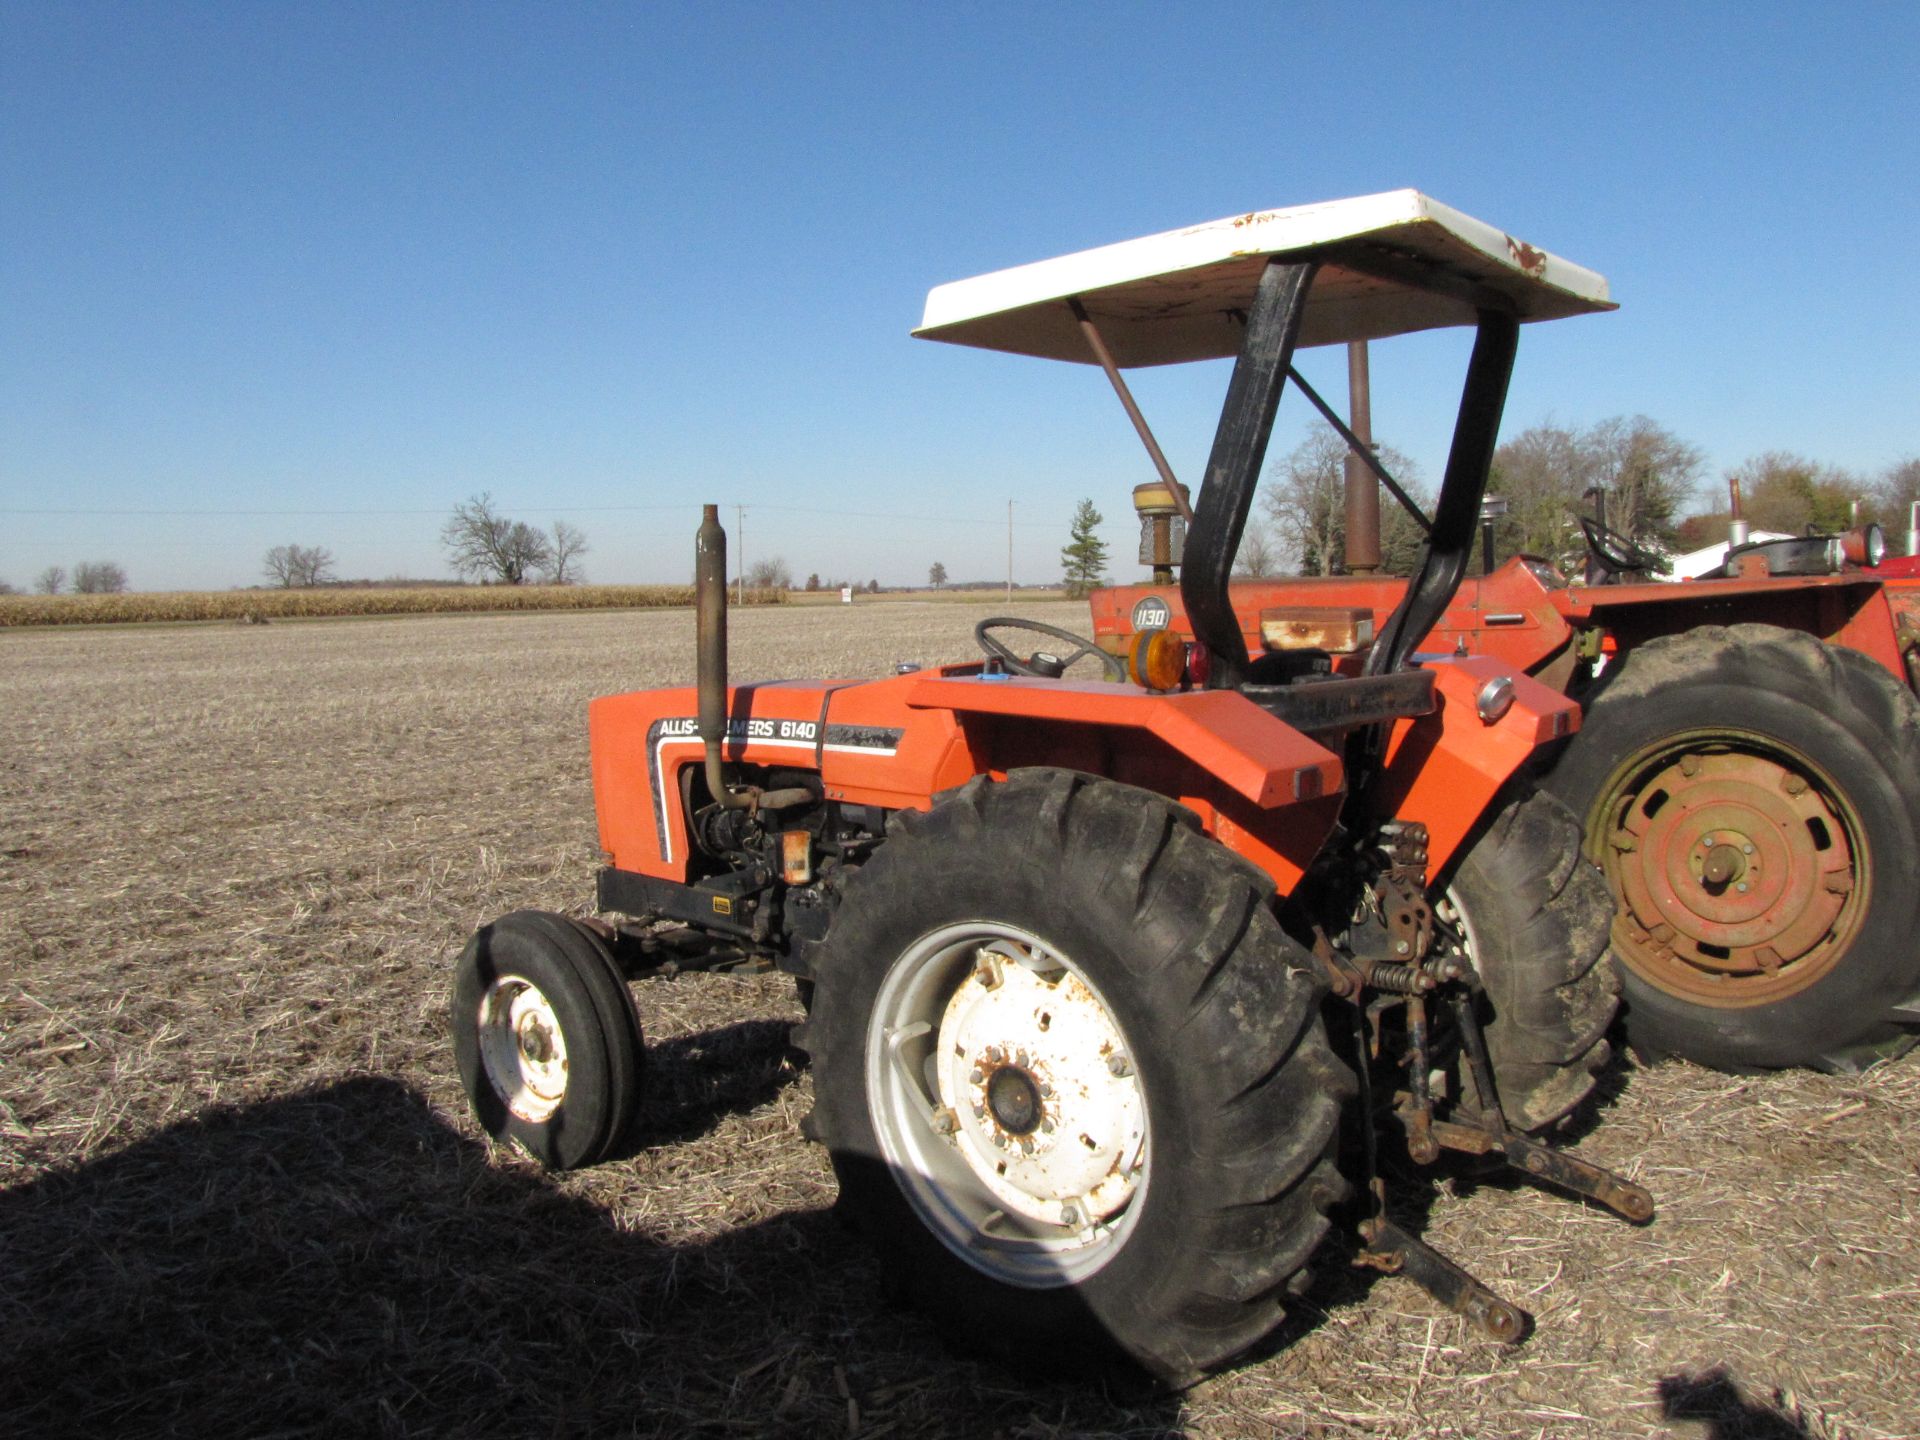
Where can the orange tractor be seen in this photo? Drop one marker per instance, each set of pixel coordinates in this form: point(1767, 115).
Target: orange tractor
point(1098, 968)
point(1747, 774)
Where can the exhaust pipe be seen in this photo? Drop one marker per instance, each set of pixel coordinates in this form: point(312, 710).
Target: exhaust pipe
point(710, 617)
point(1913, 528)
point(1737, 524)
point(710, 671)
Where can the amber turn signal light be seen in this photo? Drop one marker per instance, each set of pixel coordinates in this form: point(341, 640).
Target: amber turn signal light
point(1158, 660)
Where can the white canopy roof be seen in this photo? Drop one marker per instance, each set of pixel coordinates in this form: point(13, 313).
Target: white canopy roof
point(1181, 295)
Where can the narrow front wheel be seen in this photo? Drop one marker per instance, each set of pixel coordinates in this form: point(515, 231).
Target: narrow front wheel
point(546, 1038)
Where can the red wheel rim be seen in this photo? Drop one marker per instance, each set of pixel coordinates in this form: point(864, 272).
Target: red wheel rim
point(1738, 865)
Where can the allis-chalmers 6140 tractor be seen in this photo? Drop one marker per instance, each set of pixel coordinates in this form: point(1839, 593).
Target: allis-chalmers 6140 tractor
point(1097, 968)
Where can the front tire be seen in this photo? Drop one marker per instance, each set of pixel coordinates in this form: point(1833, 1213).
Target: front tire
point(1753, 796)
point(546, 1038)
point(1074, 1080)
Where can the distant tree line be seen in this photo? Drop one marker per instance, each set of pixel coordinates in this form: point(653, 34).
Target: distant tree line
point(90, 577)
point(482, 542)
point(1549, 473)
point(299, 567)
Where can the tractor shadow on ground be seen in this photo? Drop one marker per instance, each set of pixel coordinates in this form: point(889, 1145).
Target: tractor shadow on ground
point(343, 1261)
point(693, 1082)
point(1714, 1401)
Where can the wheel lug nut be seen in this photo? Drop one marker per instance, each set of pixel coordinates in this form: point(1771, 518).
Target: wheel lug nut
point(1046, 1125)
point(1020, 1059)
point(976, 1075)
point(1119, 1065)
point(1069, 1214)
point(1026, 1145)
point(1046, 1091)
point(994, 1055)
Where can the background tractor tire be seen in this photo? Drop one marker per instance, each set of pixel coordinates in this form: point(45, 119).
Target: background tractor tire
point(546, 1038)
point(1753, 796)
point(1094, 975)
point(1536, 917)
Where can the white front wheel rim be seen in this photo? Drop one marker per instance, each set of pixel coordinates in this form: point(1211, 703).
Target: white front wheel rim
point(523, 1048)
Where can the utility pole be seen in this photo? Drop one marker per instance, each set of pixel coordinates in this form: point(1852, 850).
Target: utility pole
point(740, 529)
point(1009, 552)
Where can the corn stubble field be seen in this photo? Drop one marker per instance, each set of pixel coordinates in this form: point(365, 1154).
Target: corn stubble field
point(240, 1192)
point(256, 606)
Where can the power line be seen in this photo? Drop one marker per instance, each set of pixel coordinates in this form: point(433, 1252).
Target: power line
point(551, 509)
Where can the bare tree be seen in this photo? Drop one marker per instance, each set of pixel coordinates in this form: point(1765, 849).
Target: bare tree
point(1545, 474)
point(1792, 494)
point(1540, 473)
point(936, 575)
point(1306, 506)
point(568, 545)
point(52, 580)
point(1648, 473)
point(1258, 558)
point(1899, 487)
point(299, 567)
point(6, 589)
point(481, 541)
point(769, 575)
point(99, 577)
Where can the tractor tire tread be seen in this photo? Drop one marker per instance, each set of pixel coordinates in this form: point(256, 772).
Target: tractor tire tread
point(1259, 1091)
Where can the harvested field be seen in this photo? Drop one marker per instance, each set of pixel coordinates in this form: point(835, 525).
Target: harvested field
point(240, 1192)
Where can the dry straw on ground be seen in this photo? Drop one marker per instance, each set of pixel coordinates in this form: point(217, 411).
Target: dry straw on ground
point(240, 1193)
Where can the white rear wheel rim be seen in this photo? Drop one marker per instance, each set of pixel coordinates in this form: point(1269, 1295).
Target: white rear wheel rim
point(1007, 1102)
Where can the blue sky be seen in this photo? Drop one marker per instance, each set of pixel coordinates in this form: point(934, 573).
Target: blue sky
point(315, 273)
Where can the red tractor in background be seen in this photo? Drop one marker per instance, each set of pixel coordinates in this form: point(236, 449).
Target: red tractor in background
point(1097, 969)
point(1747, 773)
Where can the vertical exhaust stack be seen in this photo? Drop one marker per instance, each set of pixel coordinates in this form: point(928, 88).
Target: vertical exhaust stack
point(1737, 525)
point(710, 617)
point(1913, 528)
point(1362, 489)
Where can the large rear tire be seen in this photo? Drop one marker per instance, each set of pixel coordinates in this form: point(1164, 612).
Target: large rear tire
point(1534, 915)
point(1753, 796)
point(1074, 1080)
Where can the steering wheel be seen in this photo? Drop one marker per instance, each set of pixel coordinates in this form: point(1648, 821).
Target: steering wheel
point(1611, 554)
point(1042, 663)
